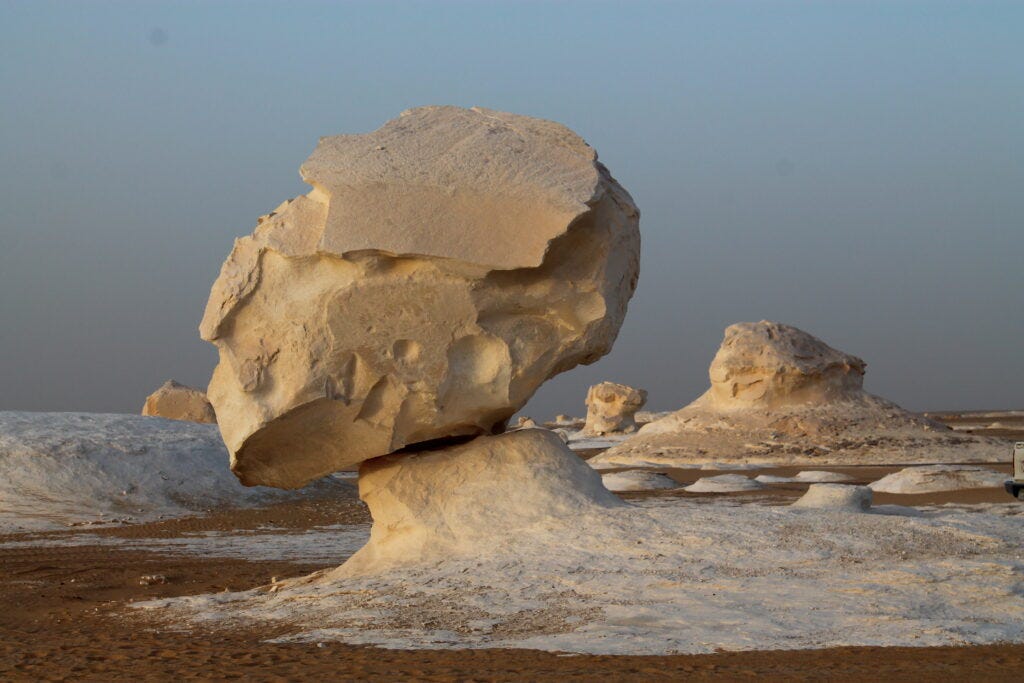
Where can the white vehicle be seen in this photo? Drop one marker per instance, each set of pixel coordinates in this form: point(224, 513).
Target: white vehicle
point(1015, 486)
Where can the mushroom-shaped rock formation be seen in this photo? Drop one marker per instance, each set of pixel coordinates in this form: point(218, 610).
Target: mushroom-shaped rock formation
point(441, 269)
point(780, 396)
point(178, 402)
point(611, 408)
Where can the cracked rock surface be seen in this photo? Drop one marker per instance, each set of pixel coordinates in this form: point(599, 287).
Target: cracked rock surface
point(440, 270)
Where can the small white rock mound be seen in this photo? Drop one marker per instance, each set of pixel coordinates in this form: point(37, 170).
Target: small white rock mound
point(779, 396)
point(836, 497)
point(463, 499)
point(441, 269)
point(804, 477)
point(611, 408)
point(724, 483)
point(58, 469)
point(638, 480)
point(931, 478)
point(176, 401)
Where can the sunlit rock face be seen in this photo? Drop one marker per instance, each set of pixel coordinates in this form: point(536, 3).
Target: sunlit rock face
point(611, 408)
point(769, 364)
point(176, 401)
point(442, 268)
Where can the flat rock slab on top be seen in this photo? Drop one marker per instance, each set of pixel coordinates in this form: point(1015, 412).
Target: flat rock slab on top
point(441, 269)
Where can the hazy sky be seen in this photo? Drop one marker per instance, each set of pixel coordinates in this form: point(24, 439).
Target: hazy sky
point(855, 169)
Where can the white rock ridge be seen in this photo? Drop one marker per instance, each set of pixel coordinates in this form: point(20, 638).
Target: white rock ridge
point(611, 408)
point(178, 402)
point(780, 396)
point(441, 269)
point(60, 469)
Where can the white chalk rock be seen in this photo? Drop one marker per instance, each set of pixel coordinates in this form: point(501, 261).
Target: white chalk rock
point(463, 499)
point(836, 497)
point(611, 408)
point(779, 396)
point(638, 480)
point(931, 478)
point(724, 483)
point(442, 268)
point(178, 402)
point(770, 364)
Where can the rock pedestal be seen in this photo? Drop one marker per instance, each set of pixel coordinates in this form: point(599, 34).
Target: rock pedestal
point(464, 498)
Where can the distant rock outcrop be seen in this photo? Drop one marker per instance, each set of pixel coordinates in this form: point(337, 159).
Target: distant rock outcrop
point(611, 408)
point(178, 402)
point(781, 396)
point(768, 365)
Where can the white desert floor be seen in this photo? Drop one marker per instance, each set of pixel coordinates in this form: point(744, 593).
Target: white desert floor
point(677, 575)
point(671, 573)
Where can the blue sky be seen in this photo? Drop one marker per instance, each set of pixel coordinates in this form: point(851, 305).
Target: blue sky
point(855, 169)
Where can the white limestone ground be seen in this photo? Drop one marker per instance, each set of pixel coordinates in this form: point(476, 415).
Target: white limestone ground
point(60, 469)
point(930, 478)
point(673, 575)
point(638, 480)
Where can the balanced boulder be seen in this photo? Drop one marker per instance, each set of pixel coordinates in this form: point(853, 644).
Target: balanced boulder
point(440, 270)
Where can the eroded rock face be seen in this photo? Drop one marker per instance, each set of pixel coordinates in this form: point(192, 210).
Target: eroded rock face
point(440, 503)
point(178, 402)
point(441, 269)
point(770, 364)
point(612, 408)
